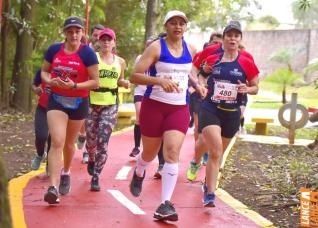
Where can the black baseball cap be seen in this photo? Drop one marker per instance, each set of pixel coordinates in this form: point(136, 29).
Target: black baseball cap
point(233, 25)
point(73, 21)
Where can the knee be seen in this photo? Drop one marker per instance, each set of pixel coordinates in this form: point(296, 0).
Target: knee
point(215, 155)
point(69, 146)
point(57, 143)
point(171, 155)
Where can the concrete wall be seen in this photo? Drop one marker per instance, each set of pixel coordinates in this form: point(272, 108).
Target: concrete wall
point(263, 44)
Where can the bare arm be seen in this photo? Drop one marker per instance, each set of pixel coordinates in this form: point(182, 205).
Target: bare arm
point(148, 58)
point(121, 80)
point(91, 83)
point(251, 87)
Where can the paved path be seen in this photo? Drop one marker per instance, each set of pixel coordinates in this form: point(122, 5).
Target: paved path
point(114, 206)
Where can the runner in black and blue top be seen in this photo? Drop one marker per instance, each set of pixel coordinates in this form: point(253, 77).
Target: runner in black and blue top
point(230, 76)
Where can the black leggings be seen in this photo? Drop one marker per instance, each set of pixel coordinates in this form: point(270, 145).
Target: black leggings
point(41, 131)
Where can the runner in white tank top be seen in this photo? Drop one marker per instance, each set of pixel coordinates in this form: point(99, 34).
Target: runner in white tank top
point(164, 111)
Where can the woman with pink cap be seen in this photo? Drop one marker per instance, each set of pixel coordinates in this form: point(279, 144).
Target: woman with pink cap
point(102, 114)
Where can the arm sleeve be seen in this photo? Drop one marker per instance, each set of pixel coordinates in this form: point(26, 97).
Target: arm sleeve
point(198, 60)
point(37, 78)
point(249, 67)
point(51, 51)
point(88, 56)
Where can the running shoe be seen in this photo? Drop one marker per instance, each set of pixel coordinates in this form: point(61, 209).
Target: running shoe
point(36, 162)
point(95, 184)
point(166, 211)
point(85, 157)
point(65, 184)
point(205, 158)
point(157, 174)
point(52, 196)
point(136, 184)
point(80, 141)
point(134, 152)
point(193, 171)
point(208, 198)
point(90, 167)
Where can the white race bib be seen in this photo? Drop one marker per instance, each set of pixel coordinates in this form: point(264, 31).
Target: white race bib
point(180, 78)
point(224, 91)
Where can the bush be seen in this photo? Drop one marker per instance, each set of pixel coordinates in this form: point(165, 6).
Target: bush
point(283, 76)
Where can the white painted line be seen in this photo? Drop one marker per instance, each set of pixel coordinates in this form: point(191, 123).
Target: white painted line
point(126, 202)
point(123, 173)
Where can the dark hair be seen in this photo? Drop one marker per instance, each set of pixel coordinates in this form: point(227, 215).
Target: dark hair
point(217, 34)
point(163, 34)
point(98, 27)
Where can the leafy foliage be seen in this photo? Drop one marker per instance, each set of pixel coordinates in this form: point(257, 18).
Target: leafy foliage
point(306, 13)
point(126, 17)
point(283, 76)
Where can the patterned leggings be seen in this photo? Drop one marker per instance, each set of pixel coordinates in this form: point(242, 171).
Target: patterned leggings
point(99, 125)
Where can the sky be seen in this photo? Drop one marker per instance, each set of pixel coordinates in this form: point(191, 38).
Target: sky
point(280, 9)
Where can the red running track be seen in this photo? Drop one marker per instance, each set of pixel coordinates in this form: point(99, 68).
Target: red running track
point(83, 208)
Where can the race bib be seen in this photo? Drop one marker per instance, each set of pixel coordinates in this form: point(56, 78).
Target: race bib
point(224, 91)
point(180, 78)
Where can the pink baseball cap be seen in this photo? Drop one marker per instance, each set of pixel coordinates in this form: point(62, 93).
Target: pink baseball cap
point(108, 32)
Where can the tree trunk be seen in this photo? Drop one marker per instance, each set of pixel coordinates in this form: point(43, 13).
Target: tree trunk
point(5, 218)
point(4, 59)
point(22, 70)
point(152, 16)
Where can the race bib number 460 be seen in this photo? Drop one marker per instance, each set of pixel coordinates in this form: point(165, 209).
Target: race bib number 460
point(224, 91)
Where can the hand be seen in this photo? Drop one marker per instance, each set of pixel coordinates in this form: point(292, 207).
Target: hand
point(202, 91)
point(207, 68)
point(63, 84)
point(168, 85)
point(38, 90)
point(241, 87)
point(126, 84)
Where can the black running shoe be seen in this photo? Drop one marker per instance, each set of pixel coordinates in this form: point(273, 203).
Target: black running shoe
point(134, 152)
point(136, 184)
point(65, 184)
point(52, 196)
point(166, 211)
point(90, 167)
point(95, 184)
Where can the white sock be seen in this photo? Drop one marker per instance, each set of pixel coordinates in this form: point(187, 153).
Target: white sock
point(169, 179)
point(141, 166)
point(65, 173)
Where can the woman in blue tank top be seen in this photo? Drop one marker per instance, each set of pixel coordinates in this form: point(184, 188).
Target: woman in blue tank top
point(164, 113)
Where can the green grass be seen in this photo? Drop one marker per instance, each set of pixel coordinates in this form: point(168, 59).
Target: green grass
point(303, 133)
point(307, 95)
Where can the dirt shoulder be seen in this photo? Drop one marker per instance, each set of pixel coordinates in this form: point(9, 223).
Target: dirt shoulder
point(267, 178)
point(16, 142)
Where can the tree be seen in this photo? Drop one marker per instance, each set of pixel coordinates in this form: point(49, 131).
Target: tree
point(22, 70)
point(152, 16)
point(264, 23)
point(285, 76)
point(306, 13)
point(4, 58)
